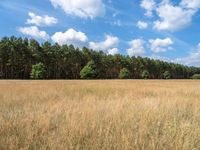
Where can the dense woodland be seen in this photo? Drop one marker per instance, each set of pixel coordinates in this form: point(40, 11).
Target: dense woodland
point(24, 59)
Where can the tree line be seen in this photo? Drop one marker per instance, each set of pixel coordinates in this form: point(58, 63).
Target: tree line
point(21, 58)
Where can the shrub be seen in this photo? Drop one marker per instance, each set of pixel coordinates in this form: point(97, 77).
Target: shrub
point(145, 74)
point(124, 73)
point(166, 75)
point(38, 71)
point(89, 71)
point(196, 76)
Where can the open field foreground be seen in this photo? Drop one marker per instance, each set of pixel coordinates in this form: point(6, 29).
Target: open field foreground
point(116, 114)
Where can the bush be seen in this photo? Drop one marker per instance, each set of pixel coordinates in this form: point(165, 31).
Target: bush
point(38, 71)
point(145, 74)
point(196, 76)
point(89, 71)
point(166, 75)
point(124, 73)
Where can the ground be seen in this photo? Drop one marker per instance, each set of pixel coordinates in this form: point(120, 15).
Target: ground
point(103, 114)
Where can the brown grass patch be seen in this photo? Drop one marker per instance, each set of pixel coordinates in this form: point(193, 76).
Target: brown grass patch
point(112, 114)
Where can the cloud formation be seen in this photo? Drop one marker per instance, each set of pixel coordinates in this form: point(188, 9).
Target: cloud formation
point(33, 31)
point(175, 17)
point(41, 20)
point(190, 4)
point(160, 45)
point(142, 25)
point(113, 51)
point(70, 36)
point(149, 6)
point(108, 45)
point(136, 47)
point(81, 8)
point(172, 18)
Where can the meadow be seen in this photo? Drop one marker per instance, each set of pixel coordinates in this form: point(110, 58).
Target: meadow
point(103, 114)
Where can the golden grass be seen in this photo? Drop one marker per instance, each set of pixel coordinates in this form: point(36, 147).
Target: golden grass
point(114, 114)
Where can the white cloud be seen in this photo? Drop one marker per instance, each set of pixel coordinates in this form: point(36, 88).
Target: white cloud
point(142, 25)
point(109, 43)
point(70, 36)
point(192, 59)
point(113, 51)
point(173, 17)
point(34, 32)
point(136, 47)
point(191, 4)
point(41, 20)
point(149, 6)
point(160, 45)
point(81, 8)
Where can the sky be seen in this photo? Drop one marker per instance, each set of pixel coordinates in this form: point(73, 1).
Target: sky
point(161, 29)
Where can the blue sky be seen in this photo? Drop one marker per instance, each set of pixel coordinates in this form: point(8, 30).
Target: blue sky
point(162, 29)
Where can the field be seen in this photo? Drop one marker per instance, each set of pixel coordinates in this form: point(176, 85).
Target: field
point(113, 114)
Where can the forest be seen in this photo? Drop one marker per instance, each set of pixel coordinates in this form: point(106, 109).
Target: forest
point(23, 58)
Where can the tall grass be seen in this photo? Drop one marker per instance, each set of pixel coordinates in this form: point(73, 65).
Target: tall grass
point(153, 115)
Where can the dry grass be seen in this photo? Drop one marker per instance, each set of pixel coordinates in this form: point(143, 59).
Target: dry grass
point(122, 115)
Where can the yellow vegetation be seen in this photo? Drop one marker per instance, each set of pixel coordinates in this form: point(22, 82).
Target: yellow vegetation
point(114, 114)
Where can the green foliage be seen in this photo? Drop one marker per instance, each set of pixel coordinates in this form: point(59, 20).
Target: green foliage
point(166, 75)
point(89, 71)
point(196, 76)
point(38, 71)
point(124, 73)
point(145, 74)
point(17, 56)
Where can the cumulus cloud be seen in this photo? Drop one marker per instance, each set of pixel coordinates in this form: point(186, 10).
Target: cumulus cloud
point(192, 59)
point(41, 20)
point(149, 6)
point(113, 51)
point(172, 17)
point(191, 4)
point(136, 47)
point(34, 32)
point(81, 8)
point(160, 45)
point(175, 17)
point(107, 45)
point(70, 36)
point(142, 25)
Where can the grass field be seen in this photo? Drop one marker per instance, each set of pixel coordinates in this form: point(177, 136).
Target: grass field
point(114, 114)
